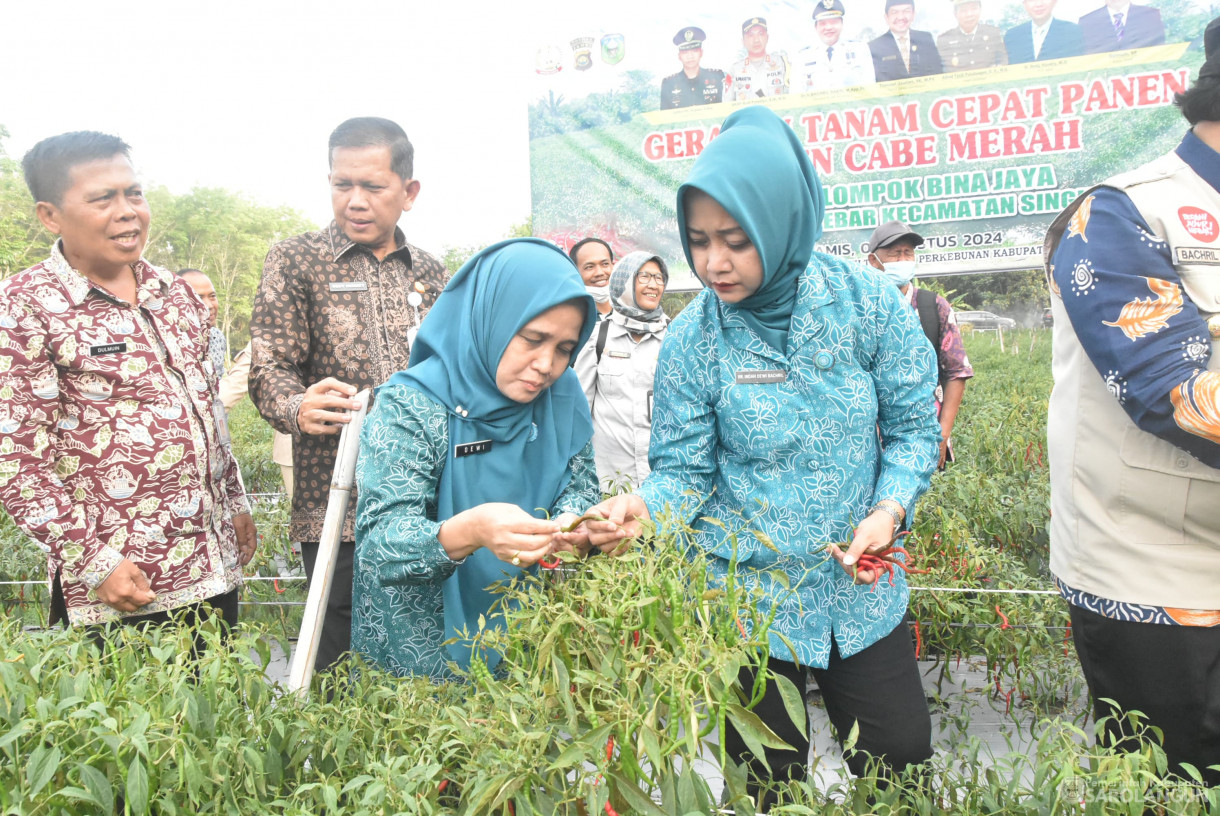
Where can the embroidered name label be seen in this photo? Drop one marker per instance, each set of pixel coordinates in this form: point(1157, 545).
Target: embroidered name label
point(348, 286)
point(761, 376)
point(1197, 255)
point(472, 448)
point(108, 348)
point(622, 355)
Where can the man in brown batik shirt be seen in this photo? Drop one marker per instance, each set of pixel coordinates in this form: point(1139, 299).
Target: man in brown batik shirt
point(331, 318)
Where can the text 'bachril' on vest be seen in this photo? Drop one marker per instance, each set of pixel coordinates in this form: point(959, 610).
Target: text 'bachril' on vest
point(1128, 509)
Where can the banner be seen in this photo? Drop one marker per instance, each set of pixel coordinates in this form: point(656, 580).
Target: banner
point(974, 138)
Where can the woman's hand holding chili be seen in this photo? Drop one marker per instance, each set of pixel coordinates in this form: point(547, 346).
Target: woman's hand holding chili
point(622, 520)
point(511, 534)
point(570, 538)
point(873, 534)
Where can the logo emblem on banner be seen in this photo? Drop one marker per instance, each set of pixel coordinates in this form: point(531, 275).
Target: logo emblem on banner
point(548, 60)
point(613, 49)
point(1199, 223)
point(582, 47)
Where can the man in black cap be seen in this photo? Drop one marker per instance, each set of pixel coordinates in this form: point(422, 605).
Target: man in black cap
point(834, 62)
point(892, 252)
point(1133, 430)
point(900, 52)
point(692, 85)
point(758, 74)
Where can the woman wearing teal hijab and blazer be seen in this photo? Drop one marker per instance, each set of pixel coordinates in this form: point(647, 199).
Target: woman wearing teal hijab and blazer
point(794, 397)
point(487, 424)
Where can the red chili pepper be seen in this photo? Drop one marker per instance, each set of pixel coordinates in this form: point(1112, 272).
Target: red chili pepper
point(275, 582)
point(441, 787)
point(741, 628)
point(635, 637)
point(1004, 625)
point(918, 641)
point(610, 748)
point(552, 564)
point(610, 811)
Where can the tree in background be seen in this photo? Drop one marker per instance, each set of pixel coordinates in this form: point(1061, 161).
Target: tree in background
point(23, 241)
point(454, 256)
point(225, 235)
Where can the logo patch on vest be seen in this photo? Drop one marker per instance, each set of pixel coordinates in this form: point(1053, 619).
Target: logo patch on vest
point(1199, 223)
point(1196, 255)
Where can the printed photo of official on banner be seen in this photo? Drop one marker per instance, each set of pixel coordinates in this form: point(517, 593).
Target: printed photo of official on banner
point(973, 121)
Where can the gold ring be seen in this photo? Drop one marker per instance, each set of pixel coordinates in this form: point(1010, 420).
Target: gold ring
point(516, 562)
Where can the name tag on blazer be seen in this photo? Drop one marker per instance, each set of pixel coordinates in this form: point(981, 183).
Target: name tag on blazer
point(761, 376)
point(107, 348)
point(472, 448)
point(348, 286)
point(620, 355)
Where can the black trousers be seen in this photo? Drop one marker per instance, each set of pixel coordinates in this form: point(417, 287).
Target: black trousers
point(337, 621)
point(879, 688)
point(1170, 673)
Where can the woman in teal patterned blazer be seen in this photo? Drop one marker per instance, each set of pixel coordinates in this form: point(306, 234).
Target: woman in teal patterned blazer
point(794, 398)
point(487, 425)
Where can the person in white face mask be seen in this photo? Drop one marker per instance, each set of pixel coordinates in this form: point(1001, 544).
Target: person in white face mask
point(594, 260)
point(892, 252)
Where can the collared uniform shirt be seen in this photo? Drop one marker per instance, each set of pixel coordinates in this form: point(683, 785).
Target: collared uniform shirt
point(787, 445)
point(842, 65)
point(984, 48)
point(680, 91)
point(326, 307)
point(109, 445)
point(620, 392)
point(749, 79)
point(398, 617)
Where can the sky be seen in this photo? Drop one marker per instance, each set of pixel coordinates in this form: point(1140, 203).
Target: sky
point(243, 95)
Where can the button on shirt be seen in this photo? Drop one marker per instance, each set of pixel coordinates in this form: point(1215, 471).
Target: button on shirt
point(109, 448)
point(619, 390)
point(326, 307)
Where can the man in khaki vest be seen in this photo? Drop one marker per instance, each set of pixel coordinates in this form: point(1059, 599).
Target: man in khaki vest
point(1134, 432)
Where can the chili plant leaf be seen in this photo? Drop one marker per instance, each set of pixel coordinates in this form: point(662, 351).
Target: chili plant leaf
point(794, 701)
point(98, 785)
point(639, 801)
point(137, 787)
point(752, 728)
point(44, 761)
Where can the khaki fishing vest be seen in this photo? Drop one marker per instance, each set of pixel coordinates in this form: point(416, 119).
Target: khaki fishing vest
point(1133, 517)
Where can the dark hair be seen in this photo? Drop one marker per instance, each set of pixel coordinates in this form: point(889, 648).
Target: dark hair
point(1201, 102)
point(48, 165)
point(190, 270)
point(373, 131)
point(590, 240)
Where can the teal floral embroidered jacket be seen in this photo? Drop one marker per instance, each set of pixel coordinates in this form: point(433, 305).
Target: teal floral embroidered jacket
point(398, 620)
point(798, 446)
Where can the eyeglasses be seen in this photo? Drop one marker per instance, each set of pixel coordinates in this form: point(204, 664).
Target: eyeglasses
point(651, 278)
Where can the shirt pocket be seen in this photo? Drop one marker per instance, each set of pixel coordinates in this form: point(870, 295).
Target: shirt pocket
point(1166, 490)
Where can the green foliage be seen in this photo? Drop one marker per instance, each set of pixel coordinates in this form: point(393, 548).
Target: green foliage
point(638, 93)
point(454, 256)
point(23, 240)
point(227, 236)
point(1019, 295)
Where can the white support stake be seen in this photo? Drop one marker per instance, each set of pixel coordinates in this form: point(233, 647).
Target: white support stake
point(343, 479)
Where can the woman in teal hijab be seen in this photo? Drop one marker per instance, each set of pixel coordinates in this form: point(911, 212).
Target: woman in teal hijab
point(795, 394)
point(443, 510)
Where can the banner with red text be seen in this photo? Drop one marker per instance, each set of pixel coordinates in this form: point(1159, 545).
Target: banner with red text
point(978, 160)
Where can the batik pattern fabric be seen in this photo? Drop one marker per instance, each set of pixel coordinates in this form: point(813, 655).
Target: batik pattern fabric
point(109, 447)
point(1137, 613)
point(1144, 336)
point(398, 617)
point(951, 357)
point(785, 447)
point(326, 307)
